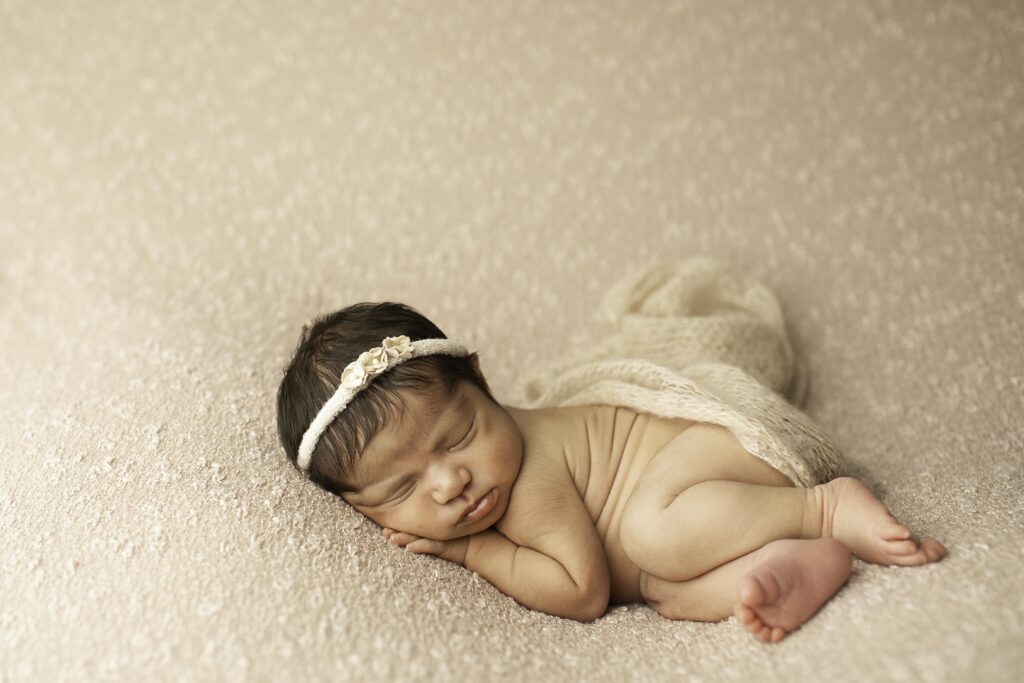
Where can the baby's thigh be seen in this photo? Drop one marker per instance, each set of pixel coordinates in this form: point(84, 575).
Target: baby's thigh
point(702, 452)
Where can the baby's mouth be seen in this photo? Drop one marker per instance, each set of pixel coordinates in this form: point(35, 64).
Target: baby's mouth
point(481, 507)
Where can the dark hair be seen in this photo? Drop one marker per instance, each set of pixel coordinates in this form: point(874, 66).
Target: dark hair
point(328, 345)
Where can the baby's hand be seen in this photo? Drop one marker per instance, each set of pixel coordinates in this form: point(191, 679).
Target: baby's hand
point(453, 550)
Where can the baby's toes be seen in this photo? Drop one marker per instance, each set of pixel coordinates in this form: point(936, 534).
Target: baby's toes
point(907, 547)
point(753, 622)
point(933, 549)
point(761, 630)
point(915, 558)
point(894, 531)
point(915, 551)
point(744, 614)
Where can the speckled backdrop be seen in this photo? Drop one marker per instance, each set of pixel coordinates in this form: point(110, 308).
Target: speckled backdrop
point(183, 184)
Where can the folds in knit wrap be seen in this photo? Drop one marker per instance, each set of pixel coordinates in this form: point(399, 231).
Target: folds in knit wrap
point(698, 340)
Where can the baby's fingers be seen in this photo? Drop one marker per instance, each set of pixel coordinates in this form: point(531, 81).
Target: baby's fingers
point(401, 538)
point(425, 545)
point(414, 544)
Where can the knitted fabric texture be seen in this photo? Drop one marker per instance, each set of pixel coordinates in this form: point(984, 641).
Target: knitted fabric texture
point(698, 340)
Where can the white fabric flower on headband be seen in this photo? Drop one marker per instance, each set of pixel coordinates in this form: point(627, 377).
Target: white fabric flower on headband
point(375, 361)
point(398, 347)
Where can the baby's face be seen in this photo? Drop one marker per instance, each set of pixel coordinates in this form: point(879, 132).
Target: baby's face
point(423, 477)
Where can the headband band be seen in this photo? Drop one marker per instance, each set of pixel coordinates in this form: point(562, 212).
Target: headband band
point(358, 374)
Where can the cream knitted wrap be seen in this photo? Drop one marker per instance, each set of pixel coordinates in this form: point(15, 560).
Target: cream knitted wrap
point(698, 340)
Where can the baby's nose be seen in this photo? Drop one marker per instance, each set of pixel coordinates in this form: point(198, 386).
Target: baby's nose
point(453, 484)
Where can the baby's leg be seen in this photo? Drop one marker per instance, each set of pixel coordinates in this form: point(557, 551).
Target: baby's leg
point(713, 522)
point(772, 590)
point(703, 501)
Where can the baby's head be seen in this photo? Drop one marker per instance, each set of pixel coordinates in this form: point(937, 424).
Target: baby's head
point(419, 444)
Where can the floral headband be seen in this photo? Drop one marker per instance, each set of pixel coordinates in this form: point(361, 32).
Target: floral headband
point(358, 374)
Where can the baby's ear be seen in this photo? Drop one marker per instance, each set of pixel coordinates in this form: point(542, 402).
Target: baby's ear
point(475, 362)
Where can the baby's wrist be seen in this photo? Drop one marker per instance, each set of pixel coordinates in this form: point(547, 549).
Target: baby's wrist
point(475, 546)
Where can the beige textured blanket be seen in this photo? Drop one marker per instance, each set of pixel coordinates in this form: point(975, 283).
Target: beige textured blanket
point(181, 190)
point(698, 340)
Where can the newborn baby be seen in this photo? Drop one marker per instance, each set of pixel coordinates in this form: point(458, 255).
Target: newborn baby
point(570, 509)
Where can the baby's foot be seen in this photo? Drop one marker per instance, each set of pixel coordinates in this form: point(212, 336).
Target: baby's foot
point(793, 581)
point(853, 515)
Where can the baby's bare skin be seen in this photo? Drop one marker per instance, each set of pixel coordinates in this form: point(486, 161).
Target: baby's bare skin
point(793, 554)
point(772, 589)
point(794, 578)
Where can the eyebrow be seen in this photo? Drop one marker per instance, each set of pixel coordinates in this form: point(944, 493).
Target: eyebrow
point(438, 434)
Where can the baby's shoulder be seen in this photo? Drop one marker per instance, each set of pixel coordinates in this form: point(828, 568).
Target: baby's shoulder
point(540, 491)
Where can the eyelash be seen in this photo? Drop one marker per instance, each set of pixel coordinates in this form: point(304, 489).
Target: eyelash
point(473, 422)
point(410, 488)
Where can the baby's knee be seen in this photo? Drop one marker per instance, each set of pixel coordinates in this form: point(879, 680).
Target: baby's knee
point(679, 600)
point(653, 591)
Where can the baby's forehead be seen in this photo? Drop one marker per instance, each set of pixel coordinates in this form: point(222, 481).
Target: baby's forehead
point(416, 425)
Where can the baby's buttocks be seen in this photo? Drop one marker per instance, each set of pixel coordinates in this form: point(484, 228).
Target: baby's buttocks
point(608, 450)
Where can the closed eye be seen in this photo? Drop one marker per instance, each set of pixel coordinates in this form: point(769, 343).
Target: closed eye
point(466, 434)
point(402, 494)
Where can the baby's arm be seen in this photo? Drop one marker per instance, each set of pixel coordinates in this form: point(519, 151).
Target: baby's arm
point(532, 578)
point(560, 568)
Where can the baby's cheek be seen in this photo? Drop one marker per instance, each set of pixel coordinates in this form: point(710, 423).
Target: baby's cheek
point(379, 519)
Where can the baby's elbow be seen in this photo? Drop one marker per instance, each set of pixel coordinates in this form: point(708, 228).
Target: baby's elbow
point(592, 609)
point(597, 595)
point(594, 603)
